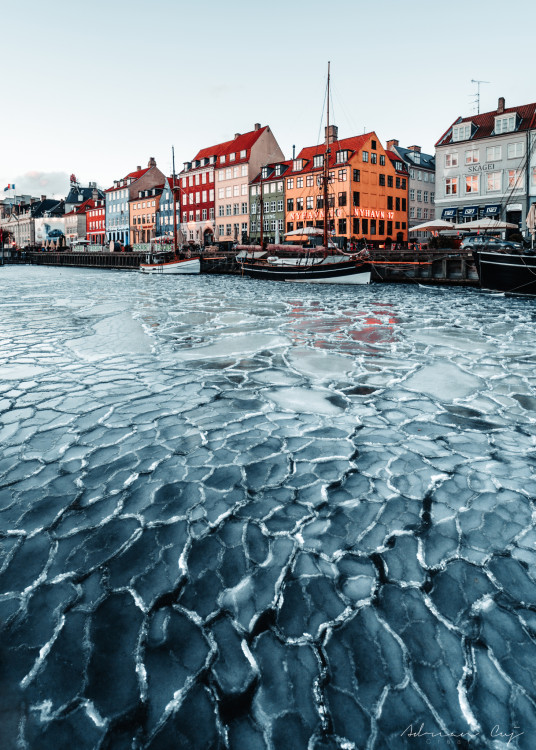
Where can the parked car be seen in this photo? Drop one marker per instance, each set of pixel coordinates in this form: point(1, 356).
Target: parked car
point(479, 241)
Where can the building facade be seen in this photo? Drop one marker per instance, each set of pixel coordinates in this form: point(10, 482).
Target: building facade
point(143, 210)
point(483, 165)
point(164, 215)
point(37, 223)
point(367, 194)
point(421, 195)
point(119, 196)
point(269, 187)
point(96, 223)
point(76, 222)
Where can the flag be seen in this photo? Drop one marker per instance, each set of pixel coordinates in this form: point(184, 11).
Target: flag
point(9, 187)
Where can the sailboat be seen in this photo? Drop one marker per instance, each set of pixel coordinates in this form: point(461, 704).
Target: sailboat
point(162, 260)
point(324, 264)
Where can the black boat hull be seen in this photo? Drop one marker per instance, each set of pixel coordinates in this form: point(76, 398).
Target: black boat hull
point(345, 272)
point(506, 272)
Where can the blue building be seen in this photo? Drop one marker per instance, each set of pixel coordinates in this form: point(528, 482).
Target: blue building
point(164, 217)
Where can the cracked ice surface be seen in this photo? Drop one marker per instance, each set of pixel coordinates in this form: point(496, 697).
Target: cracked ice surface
point(244, 515)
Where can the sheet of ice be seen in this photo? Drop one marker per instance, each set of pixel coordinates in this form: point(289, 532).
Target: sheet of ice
point(443, 381)
point(113, 336)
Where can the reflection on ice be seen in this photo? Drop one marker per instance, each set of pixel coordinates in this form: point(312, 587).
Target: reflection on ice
point(302, 523)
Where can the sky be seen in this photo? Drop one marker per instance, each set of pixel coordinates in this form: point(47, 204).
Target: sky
point(97, 88)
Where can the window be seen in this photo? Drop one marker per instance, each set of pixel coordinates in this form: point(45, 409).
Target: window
point(318, 161)
point(228, 192)
point(342, 199)
point(419, 195)
point(319, 201)
point(471, 157)
point(272, 206)
point(398, 182)
point(299, 204)
point(374, 159)
point(425, 196)
point(309, 202)
point(432, 197)
point(412, 213)
point(204, 196)
point(309, 180)
point(341, 175)
point(412, 194)
point(382, 160)
point(342, 226)
point(515, 150)
point(228, 209)
point(471, 183)
point(382, 179)
point(451, 160)
point(505, 124)
point(356, 175)
point(533, 176)
point(228, 173)
point(397, 204)
point(232, 157)
point(290, 183)
point(204, 214)
point(341, 157)
point(365, 156)
point(493, 153)
point(197, 215)
point(493, 181)
point(211, 213)
point(235, 171)
point(290, 226)
point(389, 202)
point(419, 213)
point(355, 226)
point(403, 204)
point(191, 216)
point(461, 132)
point(425, 213)
point(451, 186)
point(355, 198)
point(412, 174)
point(364, 226)
point(280, 205)
point(222, 159)
point(299, 182)
point(228, 229)
point(290, 204)
point(244, 208)
point(236, 209)
point(211, 195)
point(390, 181)
point(514, 179)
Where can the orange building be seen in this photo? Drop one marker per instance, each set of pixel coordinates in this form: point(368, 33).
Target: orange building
point(367, 190)
point(143, 210)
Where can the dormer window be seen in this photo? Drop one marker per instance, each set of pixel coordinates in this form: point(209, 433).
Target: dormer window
point(297, 165)
point(279, 170)
point(416, 157)
point(342, 156)
point(318, 161)
point(264, 173)
point(462, 132)
point(222, 159)
point(505, 124)
point(243, 154)
point(212, 159)
point(232, 157)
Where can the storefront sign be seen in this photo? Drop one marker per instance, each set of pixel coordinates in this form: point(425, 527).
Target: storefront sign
point(514, 207)
point(481, 168)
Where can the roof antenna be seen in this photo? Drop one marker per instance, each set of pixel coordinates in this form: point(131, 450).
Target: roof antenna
point(477, 100)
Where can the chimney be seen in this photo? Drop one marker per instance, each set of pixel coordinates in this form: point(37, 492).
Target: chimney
point(257, 126)
point(236, 135)
point(417, 149)
point(152, 162)
point(331, 134)
point(95, 194)
point(138, 168)
point(500, 107)
point(43, 197)
point(390, 145)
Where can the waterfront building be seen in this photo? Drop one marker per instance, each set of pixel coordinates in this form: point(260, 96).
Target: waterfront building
point(78, 194)
point(143, 209)
point(367, 190)
point(119, 196)
point(268, 186)
point(421, 195)
point(481, 166)
point(214, 186)
point(164, 215)
point(30, 224)
point(76, 222)
point(96, 223)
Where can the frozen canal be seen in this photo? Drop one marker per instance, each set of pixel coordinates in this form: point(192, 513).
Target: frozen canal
point(239, 514)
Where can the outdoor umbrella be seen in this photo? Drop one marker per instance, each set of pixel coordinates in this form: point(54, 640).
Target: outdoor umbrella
point(478, 224)
point(434, 225)
point(305, 231)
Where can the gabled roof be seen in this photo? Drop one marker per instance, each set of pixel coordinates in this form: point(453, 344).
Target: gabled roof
point(353, 144)
point(48, 205)
point(427, 161)
point(272, 175)
point(86, 192)
point(82, 208)
point(485, 123)
point(396, 158)
point(242, 142)
point(132, 176)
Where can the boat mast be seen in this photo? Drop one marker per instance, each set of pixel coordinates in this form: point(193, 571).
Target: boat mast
point(174, 204)
point(325, 180)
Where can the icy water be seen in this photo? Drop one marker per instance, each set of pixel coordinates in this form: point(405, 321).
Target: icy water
point(239, 514)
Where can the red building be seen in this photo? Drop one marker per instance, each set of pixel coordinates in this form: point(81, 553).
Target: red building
point(197, 196)
point(96, 223)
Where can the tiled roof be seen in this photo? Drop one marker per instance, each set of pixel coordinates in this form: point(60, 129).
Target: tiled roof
point(485, 123)
point(272, 175)
point(133, 176)
point(82, 208)
point(353, 144)
point(242, 142)
point(395, 157)
point(427, 161)
point(49, 204)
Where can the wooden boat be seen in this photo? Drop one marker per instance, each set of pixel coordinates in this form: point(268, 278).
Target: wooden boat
point(506, 271)
point(169, 263)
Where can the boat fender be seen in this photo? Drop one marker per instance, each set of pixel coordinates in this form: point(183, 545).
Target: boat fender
point(272, 259)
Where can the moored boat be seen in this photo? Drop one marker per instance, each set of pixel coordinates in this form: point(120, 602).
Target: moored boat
point(316, 266)
point(169, 263)
point(506, 272)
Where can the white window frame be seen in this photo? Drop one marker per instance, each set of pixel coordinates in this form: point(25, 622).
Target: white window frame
point(493, 153)
point(472, 180)
point(515, 150)
point(451, 160)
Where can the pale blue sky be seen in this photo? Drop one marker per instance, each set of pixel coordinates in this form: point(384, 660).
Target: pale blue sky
point(97, 88)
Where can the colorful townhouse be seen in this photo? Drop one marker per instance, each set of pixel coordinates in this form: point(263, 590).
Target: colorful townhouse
point(96, 223)
point(76, 222)
point(367, 194)
point(119, 196)
point(269, 187)
point(215, 186)
point(143, 209)
point(164, 215)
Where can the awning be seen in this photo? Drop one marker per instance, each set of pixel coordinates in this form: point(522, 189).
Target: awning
point(449, 213)
point(470, 212)
point(493, 210)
